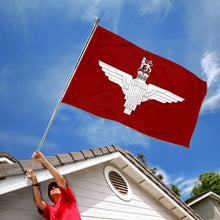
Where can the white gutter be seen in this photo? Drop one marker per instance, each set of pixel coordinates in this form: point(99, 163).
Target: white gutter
point(149, 184)
point(211, 194)
point(6, 160)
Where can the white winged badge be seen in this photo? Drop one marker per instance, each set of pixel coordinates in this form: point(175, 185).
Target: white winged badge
point(136, 90)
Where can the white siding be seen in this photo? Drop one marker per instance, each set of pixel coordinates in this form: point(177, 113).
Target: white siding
point(94, 197)
point(97, 201)
point(18, 205)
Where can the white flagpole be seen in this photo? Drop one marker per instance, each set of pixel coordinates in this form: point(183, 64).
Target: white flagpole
point(67, 85)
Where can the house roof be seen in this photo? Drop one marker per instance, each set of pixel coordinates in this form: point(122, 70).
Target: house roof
point(7, 158)
point(123, 159)
point(201, 196)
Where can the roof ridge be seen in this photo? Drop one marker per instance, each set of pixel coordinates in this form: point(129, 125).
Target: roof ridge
point(196, 196)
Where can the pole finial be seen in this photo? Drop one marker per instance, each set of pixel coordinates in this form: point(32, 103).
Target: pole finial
point(97, 20)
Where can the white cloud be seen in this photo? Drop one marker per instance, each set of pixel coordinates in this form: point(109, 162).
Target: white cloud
point(178, 180)
point(16, 10)
point(185, 185)
point(15, 139)
point(211, 70)
point(101, 132)
point(55, 77)
point(210, 67)
point(45, 89)
point(166, 176)
point(155, 7)
point(203, 30)
point(203, 35)
point(24, 12)
point(106, 10)
point(211, 103)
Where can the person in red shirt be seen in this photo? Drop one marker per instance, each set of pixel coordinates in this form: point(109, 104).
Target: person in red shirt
point(60, 193)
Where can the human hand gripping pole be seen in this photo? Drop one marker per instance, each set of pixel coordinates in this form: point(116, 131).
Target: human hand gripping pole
point(30, 175)
point(37, 157)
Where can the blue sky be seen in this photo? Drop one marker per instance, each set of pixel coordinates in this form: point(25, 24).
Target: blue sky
point(40, 42)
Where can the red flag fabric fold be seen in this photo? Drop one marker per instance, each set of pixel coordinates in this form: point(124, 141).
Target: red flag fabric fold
point(118, 80)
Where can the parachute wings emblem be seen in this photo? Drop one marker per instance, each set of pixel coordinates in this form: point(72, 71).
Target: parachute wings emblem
point(136, 90)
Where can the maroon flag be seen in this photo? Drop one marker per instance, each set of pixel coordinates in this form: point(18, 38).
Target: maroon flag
point(117, 80)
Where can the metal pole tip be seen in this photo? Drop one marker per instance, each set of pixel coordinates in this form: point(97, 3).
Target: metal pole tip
point(97, 20)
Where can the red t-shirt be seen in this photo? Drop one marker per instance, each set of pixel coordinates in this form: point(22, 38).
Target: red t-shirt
point(65, 209)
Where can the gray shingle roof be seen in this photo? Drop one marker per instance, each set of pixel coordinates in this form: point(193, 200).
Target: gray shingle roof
point(8, 156)
point(19, 167)
point(189, 200)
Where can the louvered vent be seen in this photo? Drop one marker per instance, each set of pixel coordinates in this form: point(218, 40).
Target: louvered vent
point(118, 182)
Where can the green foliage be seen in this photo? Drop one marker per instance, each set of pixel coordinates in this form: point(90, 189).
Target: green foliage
point(154, 171)
point(175, 189)
point(160, 176)
point(142, 159)
point(207, 181)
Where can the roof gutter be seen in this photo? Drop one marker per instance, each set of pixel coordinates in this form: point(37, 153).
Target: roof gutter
point(211, 194)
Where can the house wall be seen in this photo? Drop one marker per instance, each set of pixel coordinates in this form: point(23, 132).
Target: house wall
point(206, 209)
point(18, 205)
point(94, 197)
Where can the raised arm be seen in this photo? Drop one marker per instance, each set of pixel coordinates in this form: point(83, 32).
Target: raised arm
point(36, 191)
point(39, 157)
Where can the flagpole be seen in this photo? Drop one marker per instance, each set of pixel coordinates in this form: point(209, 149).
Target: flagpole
point(64, 91)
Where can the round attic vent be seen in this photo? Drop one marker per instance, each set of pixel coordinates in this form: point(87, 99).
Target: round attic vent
point(117, 183)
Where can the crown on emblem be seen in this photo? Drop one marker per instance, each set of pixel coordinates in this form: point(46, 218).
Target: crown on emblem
point(141, 75)
point(144, 70)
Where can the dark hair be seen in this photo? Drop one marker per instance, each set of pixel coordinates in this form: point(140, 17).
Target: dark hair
point(50, 187)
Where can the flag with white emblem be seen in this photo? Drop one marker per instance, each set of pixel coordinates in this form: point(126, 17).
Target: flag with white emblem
point(117, 80)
